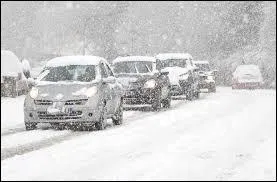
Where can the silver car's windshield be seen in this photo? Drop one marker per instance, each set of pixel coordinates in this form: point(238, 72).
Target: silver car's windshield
point(133, 67)
point(173, 62)
point(82, 73)
point(203, 67)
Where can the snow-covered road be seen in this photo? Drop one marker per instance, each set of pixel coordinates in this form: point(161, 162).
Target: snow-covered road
point(228, 135)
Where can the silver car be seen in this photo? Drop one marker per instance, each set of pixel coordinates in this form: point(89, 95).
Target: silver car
point(75, 91)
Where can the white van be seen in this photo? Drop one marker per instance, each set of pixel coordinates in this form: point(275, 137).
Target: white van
point(13, 81)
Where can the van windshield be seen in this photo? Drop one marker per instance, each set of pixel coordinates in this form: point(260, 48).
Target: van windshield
point(174, 63)
point(133, 67)
point(82, 73)
point(203, 67)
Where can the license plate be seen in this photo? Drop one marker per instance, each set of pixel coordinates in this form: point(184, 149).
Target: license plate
point(129, 93)
point(128, 100)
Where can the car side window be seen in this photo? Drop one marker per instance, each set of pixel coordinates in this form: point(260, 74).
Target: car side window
point(110, 72)
point(103, 71)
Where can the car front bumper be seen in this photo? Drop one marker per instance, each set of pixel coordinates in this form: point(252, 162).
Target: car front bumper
point(140, 96)
point(206, 84)
point(87, 113)
point(247, 85)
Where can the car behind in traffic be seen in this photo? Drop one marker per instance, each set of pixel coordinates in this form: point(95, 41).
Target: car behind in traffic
point(247, 77)
point(182, 73)
point(206, 76)
point(142, 82)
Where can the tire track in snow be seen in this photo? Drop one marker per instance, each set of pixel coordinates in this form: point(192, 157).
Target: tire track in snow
point(19, 150)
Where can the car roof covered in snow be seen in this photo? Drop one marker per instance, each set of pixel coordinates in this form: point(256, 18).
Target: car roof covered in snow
point(10, 64)
point(134, 58)
point(74, 60)
point(165, 56)
point(201, 62)
point(247, 69)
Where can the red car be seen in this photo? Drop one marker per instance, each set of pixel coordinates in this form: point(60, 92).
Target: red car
point(247, 77)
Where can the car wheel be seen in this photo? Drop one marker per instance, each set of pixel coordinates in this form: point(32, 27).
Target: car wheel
point(30, 126)
point(197, 94)
point(14, 92)
point(118, 119)
point(189, 95)
point(167, 102)
point(214, 89)
point(101, 124)
point(157, 103)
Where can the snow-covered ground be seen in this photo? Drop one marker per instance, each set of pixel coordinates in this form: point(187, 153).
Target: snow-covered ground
point(228, 135)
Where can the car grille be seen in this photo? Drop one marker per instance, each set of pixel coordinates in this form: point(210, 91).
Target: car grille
point(43, 102)
point(68, 102)
point(72, 115)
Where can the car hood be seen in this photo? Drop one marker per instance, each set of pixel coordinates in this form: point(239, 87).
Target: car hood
point(62, 91)
point(174, 74)
point(130, 80)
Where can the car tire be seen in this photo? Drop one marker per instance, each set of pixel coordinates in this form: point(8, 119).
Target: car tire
point(118, 119)
point(197, 94)
point(30, 126)
point(167, 102)
point(156, 106)
point(101, 124)
point(213, 89)
point(189, 95)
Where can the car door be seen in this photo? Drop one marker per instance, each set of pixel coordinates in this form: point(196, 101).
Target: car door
point(163, 81)
point(106, 88)
point(115, 89)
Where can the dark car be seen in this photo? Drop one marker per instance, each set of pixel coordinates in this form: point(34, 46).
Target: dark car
point(77, 91)
point(206, 76)
point(142, 82)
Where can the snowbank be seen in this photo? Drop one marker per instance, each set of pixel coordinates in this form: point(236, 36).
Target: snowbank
point(10, 64)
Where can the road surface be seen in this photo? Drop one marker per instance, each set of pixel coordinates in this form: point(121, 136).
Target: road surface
point(227, 135)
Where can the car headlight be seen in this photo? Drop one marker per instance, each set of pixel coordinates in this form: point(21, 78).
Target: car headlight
point(150, 84)
point(91, 91)
point(184, 76)
point(34, 92)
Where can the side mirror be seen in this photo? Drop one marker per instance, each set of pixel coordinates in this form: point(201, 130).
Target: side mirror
point(214, 72)
point(164, 73)
point(196, 69)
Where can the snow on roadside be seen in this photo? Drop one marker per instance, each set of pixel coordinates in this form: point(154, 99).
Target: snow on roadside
point(27, 137)
point(12, 113)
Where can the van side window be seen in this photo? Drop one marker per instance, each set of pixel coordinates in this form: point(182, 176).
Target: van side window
point(103, 71)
